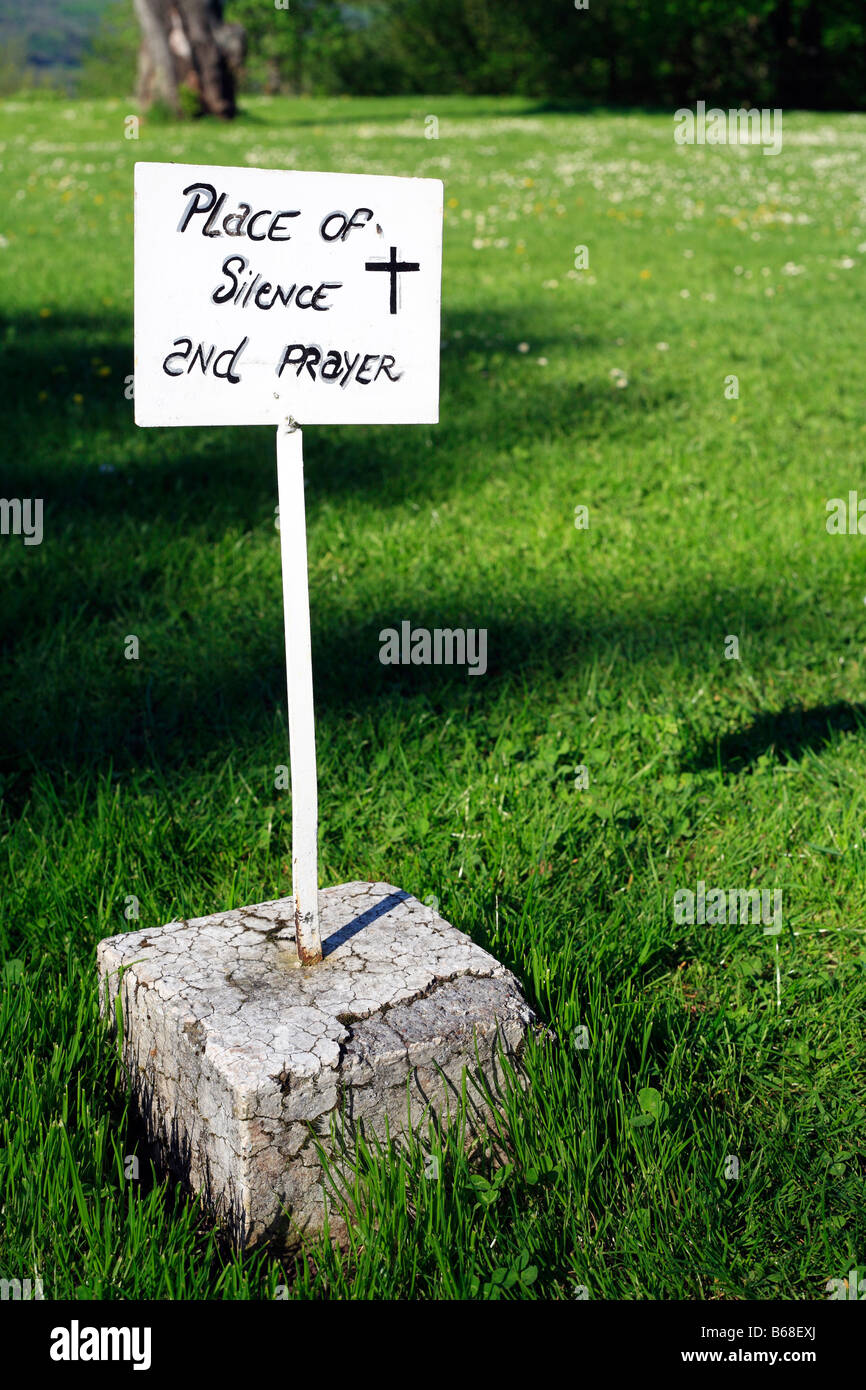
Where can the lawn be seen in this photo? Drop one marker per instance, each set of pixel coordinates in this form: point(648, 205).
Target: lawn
point(693, 1123)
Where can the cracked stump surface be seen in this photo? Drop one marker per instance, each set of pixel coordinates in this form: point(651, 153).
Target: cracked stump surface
point(236, 1051)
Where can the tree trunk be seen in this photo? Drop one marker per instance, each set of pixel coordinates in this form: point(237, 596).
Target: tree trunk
point(156, 73)
point(185, 46)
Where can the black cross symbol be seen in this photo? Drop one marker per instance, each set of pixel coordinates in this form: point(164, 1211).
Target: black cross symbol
point(394, 267)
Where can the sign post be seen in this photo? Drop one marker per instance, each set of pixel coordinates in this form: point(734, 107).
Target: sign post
point(235, 272)
point(299, 683)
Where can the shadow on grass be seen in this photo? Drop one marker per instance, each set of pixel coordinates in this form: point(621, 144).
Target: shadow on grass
point(385, 111)
point(67, 704)
point(381, 111)
point(200, 687)
point(70, 436)
point(788, 734)
point(593, 107)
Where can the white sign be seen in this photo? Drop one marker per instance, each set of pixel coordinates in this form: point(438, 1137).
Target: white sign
point(266, 293)
point(270, 297)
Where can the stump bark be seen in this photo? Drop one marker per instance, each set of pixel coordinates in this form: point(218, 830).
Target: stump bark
point(187, 48)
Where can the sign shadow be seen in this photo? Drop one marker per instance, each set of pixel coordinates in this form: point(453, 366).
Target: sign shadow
point(345, 933)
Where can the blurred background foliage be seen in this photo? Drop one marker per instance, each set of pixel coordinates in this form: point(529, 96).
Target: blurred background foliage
point(792, 53)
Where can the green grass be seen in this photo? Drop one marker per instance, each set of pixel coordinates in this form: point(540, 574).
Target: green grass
point(155, 778)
